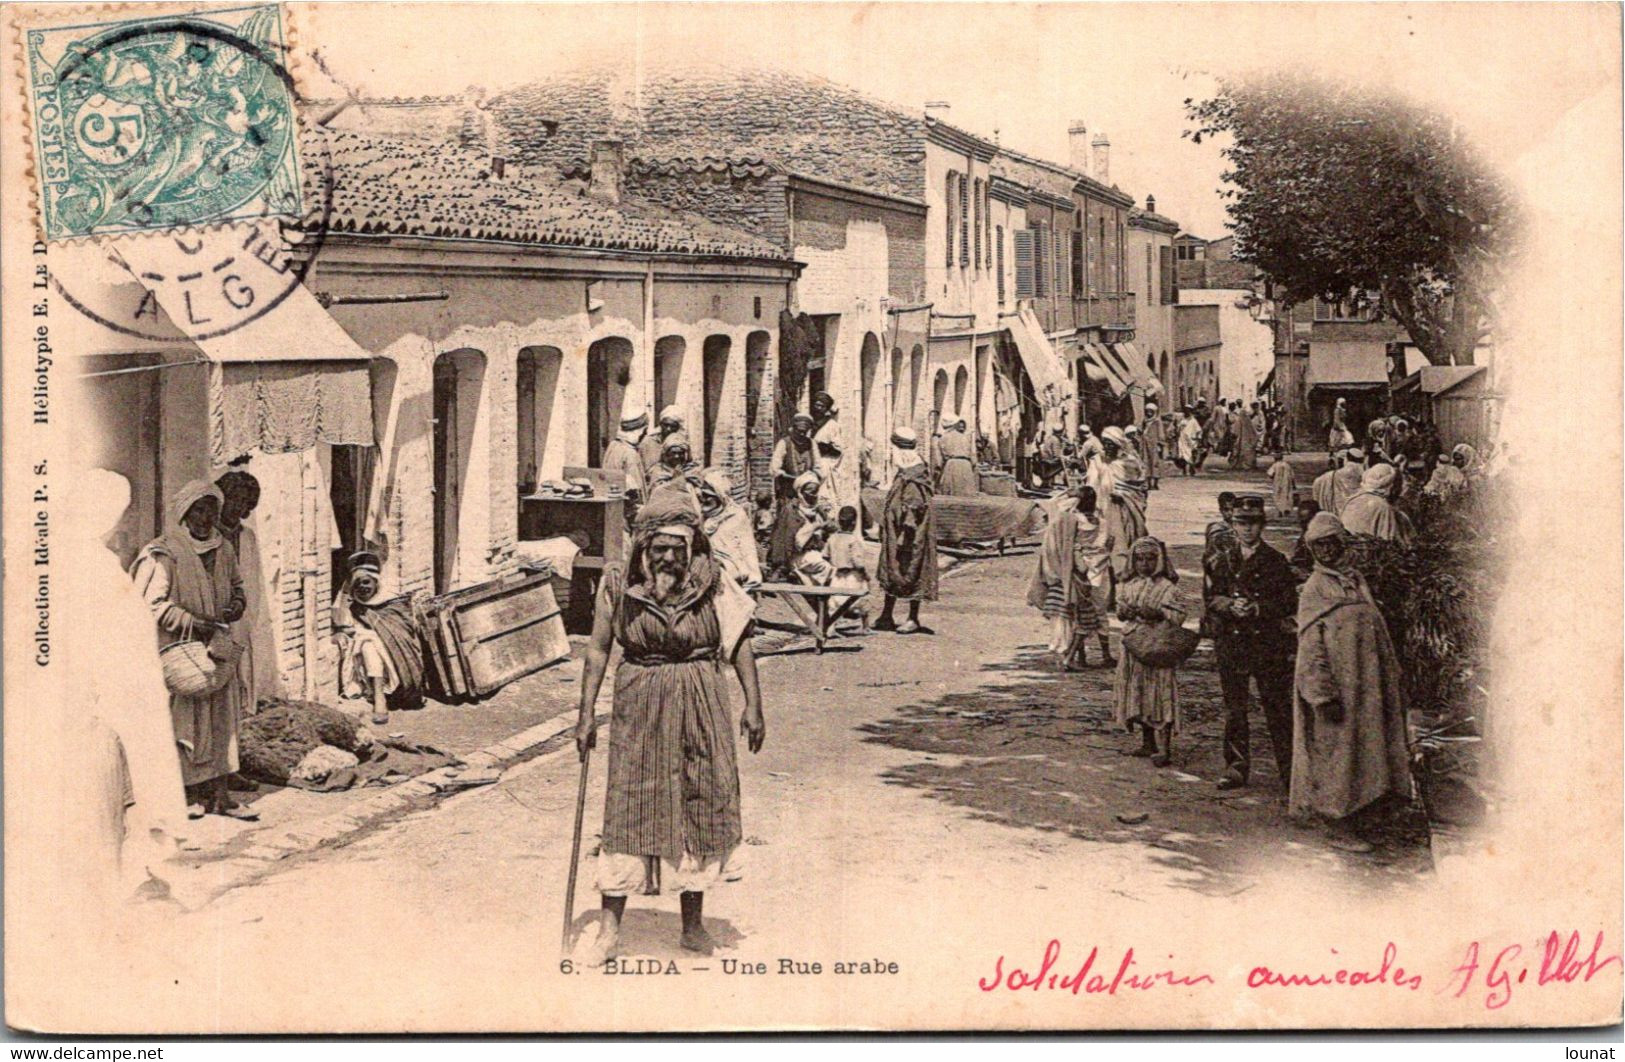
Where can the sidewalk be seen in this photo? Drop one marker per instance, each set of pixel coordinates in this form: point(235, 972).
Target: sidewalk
point(516, 724)
point(520, 722)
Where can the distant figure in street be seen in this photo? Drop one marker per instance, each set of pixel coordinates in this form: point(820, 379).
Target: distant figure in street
point(845, 551)
point(1244, 456)
point(621, 455)
point(795, 512)
point(649, 449)
point(1052, 454)
point(676, 470)
point(728, 528)
point(1346, 483)
point(1321, 488)
point(908, 537)
point(1338, 436)
point(828, 456)
point(958, 475)
point(1152, 438)
point(1221, 549)
point(673, 770)
point(1125, 499)
point(257, 664)
point(1248, 616)
point(1190, 443)
point(1371, 511)
point(1351, 746)
point(366, 670)
point(1144, 696)
point(793, 456)
point(1283, 488)
point(1450, 474)
point(1073, 577)
point(189, 580)
point(1302, 561)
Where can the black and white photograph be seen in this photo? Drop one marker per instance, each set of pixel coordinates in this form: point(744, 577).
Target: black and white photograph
point(768, 517)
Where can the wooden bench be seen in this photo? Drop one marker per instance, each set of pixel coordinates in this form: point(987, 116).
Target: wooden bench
point(811, 604)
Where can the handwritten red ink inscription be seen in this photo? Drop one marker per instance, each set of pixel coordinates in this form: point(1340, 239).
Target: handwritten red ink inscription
point(1560, 963)
point(1085, 980)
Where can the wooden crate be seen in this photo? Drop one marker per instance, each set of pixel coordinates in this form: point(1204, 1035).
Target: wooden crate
point(483, 637)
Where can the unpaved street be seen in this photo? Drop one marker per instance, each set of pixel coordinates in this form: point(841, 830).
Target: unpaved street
point(909, 788)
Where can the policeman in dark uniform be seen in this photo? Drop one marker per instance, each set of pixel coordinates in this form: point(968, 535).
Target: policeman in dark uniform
point(1251, 604)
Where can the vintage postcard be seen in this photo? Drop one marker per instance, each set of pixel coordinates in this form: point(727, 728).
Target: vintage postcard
point(540, 518)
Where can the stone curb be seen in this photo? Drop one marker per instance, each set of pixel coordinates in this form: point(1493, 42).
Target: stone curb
point(263, 852)
point(297, 839)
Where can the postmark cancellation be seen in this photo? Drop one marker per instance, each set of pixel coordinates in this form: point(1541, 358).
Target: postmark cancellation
point(162, 122)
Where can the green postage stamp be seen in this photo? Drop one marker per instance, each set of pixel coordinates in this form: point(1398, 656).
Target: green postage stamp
point(156, 123)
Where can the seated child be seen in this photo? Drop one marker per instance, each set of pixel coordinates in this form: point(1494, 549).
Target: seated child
point(846, 557)
point(810, 561)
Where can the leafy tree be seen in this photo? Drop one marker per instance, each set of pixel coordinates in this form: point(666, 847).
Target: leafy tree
point(1337, 189)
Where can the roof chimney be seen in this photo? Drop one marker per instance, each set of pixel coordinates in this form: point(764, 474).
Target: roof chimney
point(937, 109)
point(604, 184)
point(1077, 140)
point(1150, 204)
point(1103, 159)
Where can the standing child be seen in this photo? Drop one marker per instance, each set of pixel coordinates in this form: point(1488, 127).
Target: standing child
point(846, 558)
point(1147, 696)
point(1282, 483)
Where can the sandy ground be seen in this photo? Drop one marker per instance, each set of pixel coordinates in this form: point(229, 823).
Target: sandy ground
point(930, 801)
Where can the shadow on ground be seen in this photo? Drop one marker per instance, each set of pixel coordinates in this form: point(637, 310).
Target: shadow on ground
point(1033, 747)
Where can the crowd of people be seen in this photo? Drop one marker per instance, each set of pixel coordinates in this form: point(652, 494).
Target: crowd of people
point(1303, 633)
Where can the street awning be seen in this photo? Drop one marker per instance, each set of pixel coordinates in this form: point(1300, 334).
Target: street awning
point(1044, 368)
point(1144, 380)
point(1347, 364)
point(1112, 368)
point(281, 382)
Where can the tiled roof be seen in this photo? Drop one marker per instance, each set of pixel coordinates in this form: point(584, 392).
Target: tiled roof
point(1151, 219)
point(794, 123)
point(400, 187)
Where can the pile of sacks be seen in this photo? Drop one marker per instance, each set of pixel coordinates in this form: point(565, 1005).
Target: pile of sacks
point(312, 746)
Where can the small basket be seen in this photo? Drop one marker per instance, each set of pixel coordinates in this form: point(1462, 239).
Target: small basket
point(190, 671)
point(1161, 645)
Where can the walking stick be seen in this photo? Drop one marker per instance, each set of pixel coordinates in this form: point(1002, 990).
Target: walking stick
point(575, 852)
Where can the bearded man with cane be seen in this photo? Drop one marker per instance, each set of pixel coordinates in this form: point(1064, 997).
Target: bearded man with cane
point(673, 773)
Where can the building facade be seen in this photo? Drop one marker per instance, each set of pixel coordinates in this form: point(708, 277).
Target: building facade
point(495, 327)
point(1151, 259)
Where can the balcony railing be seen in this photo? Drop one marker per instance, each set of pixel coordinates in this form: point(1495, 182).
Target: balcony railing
point(1110, 309)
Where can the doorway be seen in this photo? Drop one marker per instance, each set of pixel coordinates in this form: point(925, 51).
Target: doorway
point(609, 370)
point(535, 387)
point(458, 378)
point(758, 422)
point(868, 370)
point(669, 351)
point(714, 380)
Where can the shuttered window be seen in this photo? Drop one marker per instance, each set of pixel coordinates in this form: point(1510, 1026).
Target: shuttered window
point(1170, 295)
point(964, 222)
point(1057, 267)
point(949, 202)
point(987, 215)
point(1026, 270)
point(998, 254)
point(977, 258)
point(1077, 262)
